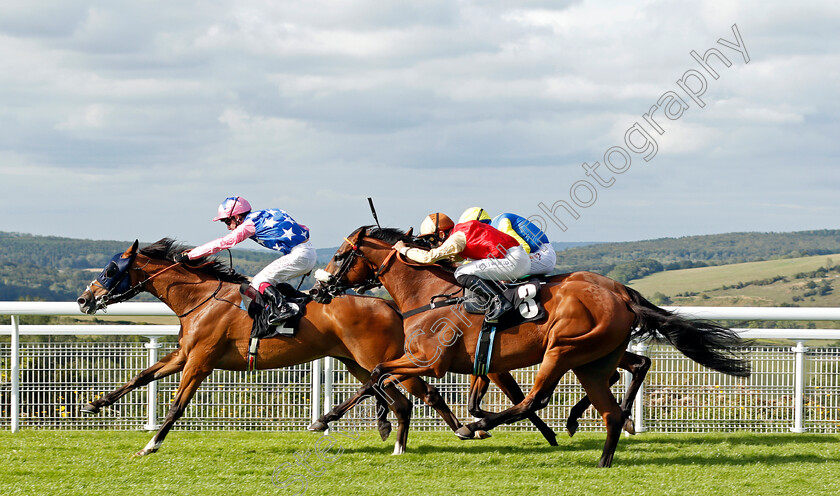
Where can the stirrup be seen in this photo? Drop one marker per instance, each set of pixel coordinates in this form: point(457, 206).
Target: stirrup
point(281, 314)
point(499, 305)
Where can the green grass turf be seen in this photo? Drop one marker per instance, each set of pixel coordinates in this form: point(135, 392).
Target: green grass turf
point(234, 463)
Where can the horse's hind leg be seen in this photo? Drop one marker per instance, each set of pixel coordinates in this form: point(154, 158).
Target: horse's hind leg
point(168, 365)
point(638, 366)
point(598, 390)
point(194, 374)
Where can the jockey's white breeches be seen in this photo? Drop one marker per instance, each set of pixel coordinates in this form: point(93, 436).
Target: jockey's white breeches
point(543, 260)
point(514, 265)
point(296, 263)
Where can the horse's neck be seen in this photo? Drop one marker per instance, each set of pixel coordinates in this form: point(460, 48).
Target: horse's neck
point(181, 290)
point(413, 287)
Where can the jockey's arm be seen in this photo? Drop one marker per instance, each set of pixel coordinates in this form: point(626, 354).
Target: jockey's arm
point(453, 245)
point(238, 235)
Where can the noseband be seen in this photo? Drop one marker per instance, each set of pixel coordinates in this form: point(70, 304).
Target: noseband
point(348, 258)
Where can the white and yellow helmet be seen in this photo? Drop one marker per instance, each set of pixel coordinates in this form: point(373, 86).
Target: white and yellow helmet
point(474, 213)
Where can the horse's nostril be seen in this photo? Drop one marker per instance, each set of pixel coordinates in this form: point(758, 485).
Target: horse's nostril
point(82, 301)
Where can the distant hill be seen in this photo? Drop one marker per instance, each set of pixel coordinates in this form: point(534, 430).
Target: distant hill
point(806, 281)
point(54, 268)
point(632, 260)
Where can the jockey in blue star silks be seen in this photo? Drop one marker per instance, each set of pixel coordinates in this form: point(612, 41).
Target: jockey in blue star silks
point(530, 237)
point(275, 230)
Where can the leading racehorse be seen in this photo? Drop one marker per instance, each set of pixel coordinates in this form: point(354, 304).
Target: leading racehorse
point(359, 331)
point(586, 330)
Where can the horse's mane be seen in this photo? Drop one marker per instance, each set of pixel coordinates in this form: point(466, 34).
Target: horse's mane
point(167, 248)
point(392, 235)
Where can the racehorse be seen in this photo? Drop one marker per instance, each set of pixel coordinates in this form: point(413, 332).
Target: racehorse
point(359, 331)
point(586, 329)
point(637, 365)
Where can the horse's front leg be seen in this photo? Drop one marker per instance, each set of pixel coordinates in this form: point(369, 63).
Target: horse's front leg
point(511, 389)
point(194, 374)
point(548, 375)
point(168, 365)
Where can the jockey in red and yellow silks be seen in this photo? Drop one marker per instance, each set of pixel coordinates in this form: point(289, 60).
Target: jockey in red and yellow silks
point(494, 255)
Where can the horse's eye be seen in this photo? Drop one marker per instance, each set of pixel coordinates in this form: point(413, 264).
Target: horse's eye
point(111, 270)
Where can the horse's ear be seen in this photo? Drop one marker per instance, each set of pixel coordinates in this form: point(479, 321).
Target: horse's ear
point(131, 251)
point(410, 231)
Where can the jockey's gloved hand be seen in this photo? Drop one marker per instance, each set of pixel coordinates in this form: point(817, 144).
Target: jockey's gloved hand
point(181, 257)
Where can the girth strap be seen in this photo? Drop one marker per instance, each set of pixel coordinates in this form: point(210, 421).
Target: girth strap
point(484, 348)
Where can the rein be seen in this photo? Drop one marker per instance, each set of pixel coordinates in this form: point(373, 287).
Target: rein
point(109, 299)
point(374, 280)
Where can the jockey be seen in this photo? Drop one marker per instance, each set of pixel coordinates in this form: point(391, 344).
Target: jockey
point(530, 237)
point(275, 230)
point(496, 256)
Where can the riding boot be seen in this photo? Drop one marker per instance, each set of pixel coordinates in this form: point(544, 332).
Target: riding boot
point(497, 304)
point(276, 307)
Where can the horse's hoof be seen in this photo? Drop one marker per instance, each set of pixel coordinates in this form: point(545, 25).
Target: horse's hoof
point(465, 433)
point(572, 427)
point(142, 452)
point(90, 409)
point(482, 434)
point(318, 426)
point(630, 427)
point(385, 430)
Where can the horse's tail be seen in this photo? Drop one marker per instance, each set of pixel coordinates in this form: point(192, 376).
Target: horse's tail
point(708, 344)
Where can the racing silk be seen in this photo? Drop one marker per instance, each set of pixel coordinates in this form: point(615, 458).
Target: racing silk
point(483, 241)
point(522, 230)
point(273, 229)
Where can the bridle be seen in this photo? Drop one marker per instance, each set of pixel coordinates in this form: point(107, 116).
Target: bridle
point(109, 298)
point(334, 287)
point(348, 259)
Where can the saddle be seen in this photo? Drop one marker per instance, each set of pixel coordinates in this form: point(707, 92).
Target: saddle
point(526, 308)
point(289, 326)
point(523, 295)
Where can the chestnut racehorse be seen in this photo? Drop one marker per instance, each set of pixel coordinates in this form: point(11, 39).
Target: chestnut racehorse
point(358, 331)
point(586, 330)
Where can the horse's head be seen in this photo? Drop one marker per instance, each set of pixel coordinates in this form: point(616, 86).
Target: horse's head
point(358, 262)
point(112, 285)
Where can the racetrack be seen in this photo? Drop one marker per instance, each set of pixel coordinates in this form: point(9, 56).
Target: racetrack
point(234, 463)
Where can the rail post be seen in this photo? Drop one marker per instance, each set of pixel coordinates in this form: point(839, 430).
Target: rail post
point(328, 386)
point(639, 404)
point(315, 399)
point(15, 372)
point(799, 388)
point(151, 425)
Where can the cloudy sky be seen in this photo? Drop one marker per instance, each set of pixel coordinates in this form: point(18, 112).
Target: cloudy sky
point(125, 120)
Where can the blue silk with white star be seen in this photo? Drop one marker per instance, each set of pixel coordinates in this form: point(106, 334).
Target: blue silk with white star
point(276, 230)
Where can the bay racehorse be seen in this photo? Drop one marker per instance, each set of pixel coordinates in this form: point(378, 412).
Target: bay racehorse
point(637, 365)
point(359, 331)
point(586, 330)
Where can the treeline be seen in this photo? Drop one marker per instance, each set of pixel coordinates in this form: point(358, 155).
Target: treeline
point(632, 260)
point(58, 269)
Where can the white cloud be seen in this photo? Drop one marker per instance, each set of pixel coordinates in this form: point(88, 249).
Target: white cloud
point(443, 104)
